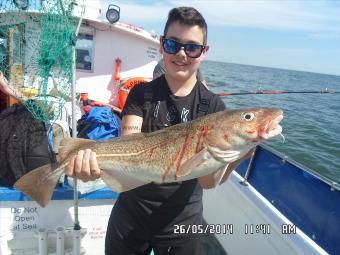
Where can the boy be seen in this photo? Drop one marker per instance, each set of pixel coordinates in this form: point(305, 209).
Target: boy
point(145, 218)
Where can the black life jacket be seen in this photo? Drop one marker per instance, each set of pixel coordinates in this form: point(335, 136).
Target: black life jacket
point(24, 144)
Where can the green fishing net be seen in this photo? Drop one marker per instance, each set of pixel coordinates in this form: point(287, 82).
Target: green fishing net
point(36, 48)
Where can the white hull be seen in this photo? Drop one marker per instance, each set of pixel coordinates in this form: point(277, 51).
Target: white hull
point(21, 220)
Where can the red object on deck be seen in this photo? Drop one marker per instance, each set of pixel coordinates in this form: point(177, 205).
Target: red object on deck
point(116, 75)
point(84, 96)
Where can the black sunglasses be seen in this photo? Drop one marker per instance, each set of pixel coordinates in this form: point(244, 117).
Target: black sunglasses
point(192, 50)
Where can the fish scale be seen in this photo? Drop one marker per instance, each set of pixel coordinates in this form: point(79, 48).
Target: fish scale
point(161, 156)
point(181, 152)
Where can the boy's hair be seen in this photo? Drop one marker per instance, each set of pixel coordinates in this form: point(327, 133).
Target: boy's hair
point(187, 16)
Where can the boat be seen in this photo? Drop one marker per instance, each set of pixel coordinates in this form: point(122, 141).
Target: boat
point(274, 205)
point(270, 204)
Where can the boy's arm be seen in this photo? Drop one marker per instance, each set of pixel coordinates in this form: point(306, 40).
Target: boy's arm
point(131, 124)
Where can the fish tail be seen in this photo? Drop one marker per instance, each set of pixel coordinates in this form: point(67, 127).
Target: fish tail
point(39, 183)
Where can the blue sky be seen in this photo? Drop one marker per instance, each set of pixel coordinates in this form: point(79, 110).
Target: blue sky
point(297, 35)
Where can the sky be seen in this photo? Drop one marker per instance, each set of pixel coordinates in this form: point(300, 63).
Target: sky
point(296, 35)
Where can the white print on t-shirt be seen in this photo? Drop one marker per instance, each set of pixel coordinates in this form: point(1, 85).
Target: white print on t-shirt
point(184, 114)
point(171, 114)
point(155, 112)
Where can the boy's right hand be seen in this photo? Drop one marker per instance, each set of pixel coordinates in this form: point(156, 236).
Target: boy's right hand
point(84, 166)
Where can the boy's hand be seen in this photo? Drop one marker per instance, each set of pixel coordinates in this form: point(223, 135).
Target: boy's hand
point(84, 166)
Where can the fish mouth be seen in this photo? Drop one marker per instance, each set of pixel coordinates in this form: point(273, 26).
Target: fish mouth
point(272, 128)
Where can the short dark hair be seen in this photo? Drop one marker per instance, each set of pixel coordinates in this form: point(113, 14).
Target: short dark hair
point(187, 16)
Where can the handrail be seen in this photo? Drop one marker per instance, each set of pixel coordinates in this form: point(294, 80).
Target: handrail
point(249, 167)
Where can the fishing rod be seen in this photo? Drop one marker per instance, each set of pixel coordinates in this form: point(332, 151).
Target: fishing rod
point(277, 92)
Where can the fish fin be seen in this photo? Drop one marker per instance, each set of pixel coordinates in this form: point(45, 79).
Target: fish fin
point(119, 182)
point(226, 156)
point(229, 156)
point(192, 163)
point(39, 183)
point(68, 144)
point(218, 176)
point(69, 141)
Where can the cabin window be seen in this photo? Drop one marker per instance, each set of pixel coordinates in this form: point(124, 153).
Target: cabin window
point(84, 52)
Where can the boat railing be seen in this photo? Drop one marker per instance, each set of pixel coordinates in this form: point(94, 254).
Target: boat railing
point(249, 167)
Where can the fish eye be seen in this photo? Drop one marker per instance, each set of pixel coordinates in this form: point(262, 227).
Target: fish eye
point(248, 116)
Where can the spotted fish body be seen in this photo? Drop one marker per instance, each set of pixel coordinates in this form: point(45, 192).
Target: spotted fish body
point(180, 152)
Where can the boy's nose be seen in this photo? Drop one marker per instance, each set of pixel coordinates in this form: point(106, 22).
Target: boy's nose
point(181, 52)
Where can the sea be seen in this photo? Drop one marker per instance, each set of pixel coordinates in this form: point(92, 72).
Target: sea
point(311, 124)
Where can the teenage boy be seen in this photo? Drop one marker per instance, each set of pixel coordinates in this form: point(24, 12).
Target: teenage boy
point(145, 218)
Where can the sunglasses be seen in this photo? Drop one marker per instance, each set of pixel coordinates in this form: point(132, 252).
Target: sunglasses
point(192, 50)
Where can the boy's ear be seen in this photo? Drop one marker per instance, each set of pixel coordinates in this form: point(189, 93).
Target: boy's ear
point(160, 44)
point(202, 57)
point(206, 49)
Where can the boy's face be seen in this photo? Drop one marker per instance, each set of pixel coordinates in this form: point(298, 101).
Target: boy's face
point(179, 66)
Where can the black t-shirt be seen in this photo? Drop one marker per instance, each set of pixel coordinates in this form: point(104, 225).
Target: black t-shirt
point(156, 208)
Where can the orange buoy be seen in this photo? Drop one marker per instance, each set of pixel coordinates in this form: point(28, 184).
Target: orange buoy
point(125, 89)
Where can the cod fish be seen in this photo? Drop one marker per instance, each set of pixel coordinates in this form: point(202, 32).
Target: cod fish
point(177, 153)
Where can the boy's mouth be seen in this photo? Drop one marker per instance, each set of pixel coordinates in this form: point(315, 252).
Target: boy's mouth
point(179, 63)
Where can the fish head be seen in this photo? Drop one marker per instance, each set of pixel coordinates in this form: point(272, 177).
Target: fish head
point(237, 129)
